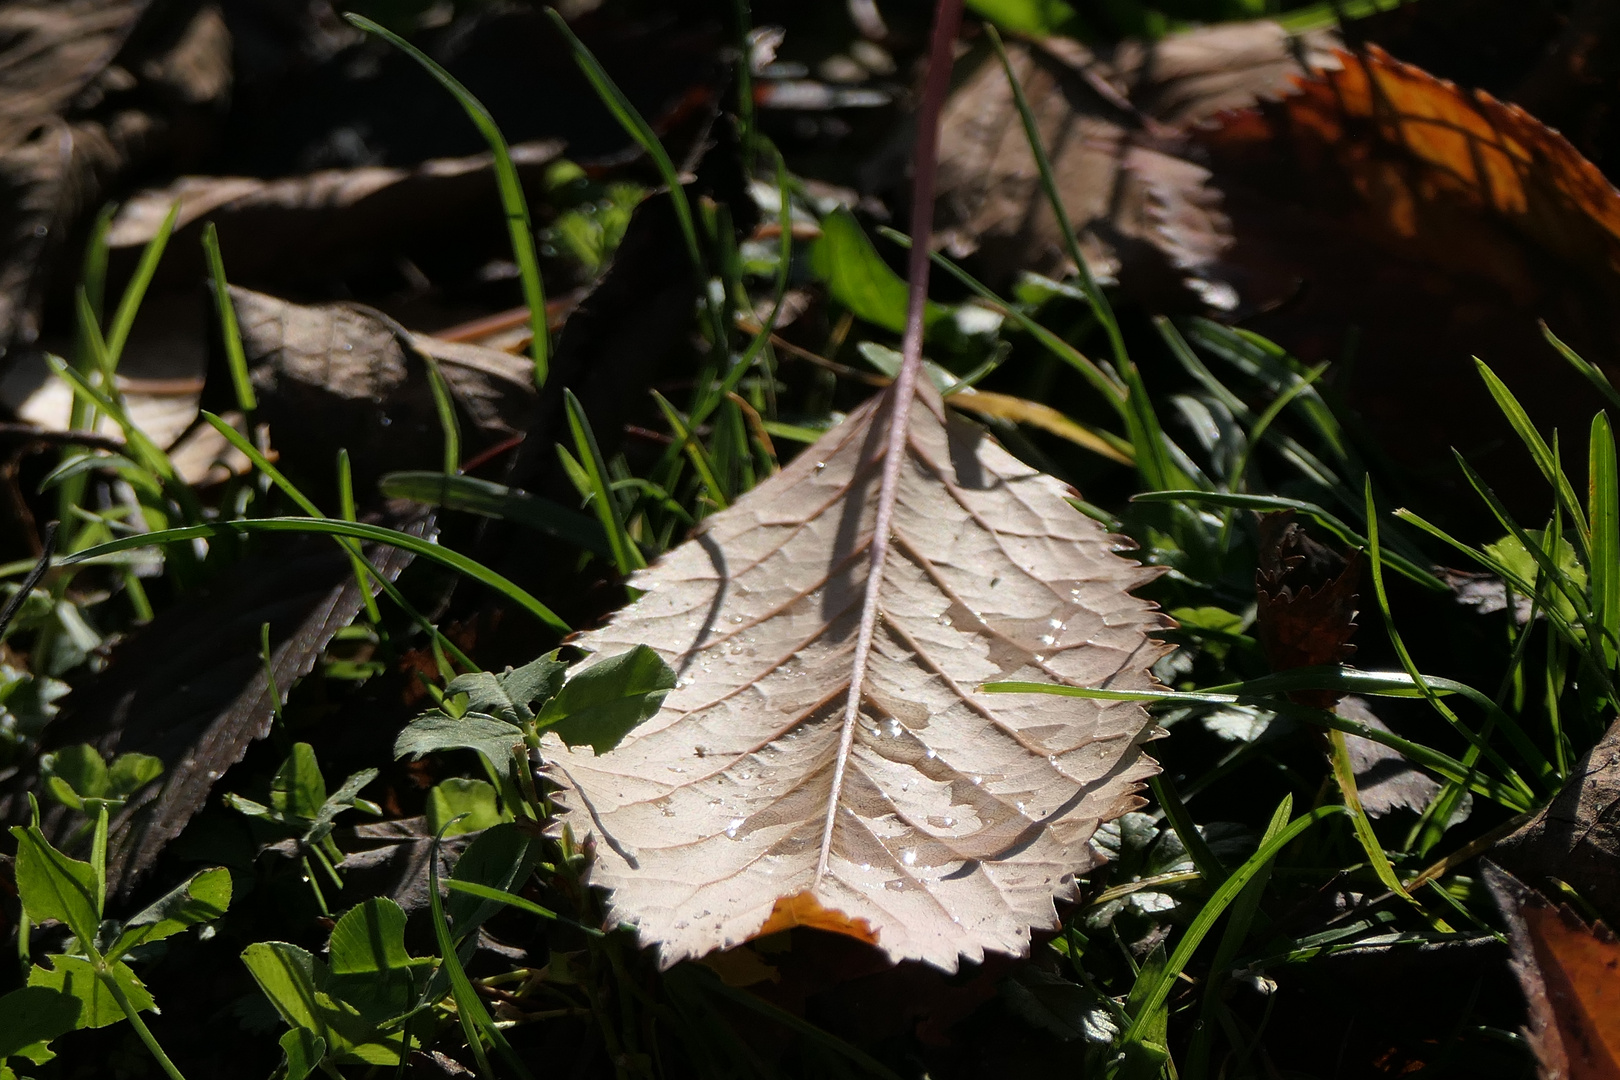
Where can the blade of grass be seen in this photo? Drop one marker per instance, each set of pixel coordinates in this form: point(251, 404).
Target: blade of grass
point(358, 530)
point(135, 291)
point(475, 1020)
point(1311, 510)
point(1105, 382)
point(1543, 456)
point(518, 223)
point(1603, 504)
point(626, 554)
point(487, 892)
point(474, 496)
point(1236, 932)
point(445, 406)
point(346, 510)
point(246, 400)
point(1514, 793)
point(694, 451)
point(638, 129)
point(1592, 372)
point(1212, 910)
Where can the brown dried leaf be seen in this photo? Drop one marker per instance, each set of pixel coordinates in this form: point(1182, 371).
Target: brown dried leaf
point(1571, 978)
point(1576, 837)
point(1111, 122)
point(960, 815)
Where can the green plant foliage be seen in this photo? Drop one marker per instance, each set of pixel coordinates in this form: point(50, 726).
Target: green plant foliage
point(78, 977)
point(296, 981)
point(858, 278)
point(202, 898)
point(458, 806)
point(53, 886)
point(30, 1018)
point(601, 704)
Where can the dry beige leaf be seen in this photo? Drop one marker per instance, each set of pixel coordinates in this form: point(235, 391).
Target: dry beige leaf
point(942, 822)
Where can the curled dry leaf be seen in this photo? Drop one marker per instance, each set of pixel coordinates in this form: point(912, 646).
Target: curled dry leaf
point(1570, 973)
point(947, 820)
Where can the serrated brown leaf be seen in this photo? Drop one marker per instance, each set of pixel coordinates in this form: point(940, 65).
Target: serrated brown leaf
point(1570, 973)
point(1305, 595)
point(961, 815)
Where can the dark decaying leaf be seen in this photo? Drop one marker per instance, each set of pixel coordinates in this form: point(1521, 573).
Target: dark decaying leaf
point(1386, 211)
point(1114, 122)
point(190, 688)
point(1576, 837)
point(337, 376)
point(1570, 974)
point(1385, 779)
point(90, 89)
point(947, 820)
point(1306, 601)
point(297, 230)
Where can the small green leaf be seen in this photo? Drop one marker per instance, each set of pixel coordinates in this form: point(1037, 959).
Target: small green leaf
point(371, 938)
point(32, 1017)
point(1034, 18)
point(75, 773)
point(202, 898)
point(454, 797)
point(295, 982)
point(98, 1008)
point(501, 857)
point(303, 1050)
point(131, 772)
point(858, 278)
point(53, 886)
point(600, 704)
point(299, 789)
point(435, 731)
point(535, 682)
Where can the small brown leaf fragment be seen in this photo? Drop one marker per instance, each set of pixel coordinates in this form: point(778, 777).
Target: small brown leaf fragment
point(1306, 594)
point(1576, 837)
point(1571, 978)
point(962, 814)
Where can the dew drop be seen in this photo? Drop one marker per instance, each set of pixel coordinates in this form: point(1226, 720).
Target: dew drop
point(731, 830)
point(1056, 624)
point(931, 755)
point(1048, 639)
point(820, 465)
point(909, 857)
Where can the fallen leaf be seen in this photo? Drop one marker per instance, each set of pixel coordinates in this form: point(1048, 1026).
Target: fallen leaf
point(1576, 837)
point(1112, 122)
point(1306, 595)
point(1570, 974)
point(90, 89)
point(1385, 779)
point(190, 688)
point(1418, 223)
point(956, 817)
point(342, 375)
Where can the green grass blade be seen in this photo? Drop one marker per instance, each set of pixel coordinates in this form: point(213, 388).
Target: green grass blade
point(1603, 504)
point(346, 510)
point(1543, 456)
point(1204, 921)
point(489, 892)
point(445, 405)
point(626, 553)
point(694, 451)
point(1099, 302)
point(1244, 910)
point(1105, 382)
point(518, 223)
point(474, 496)
point(476, 1022)
point(1592, 373)
point(246, 400)
point(638, 129)
point(426, 549)
point(1311, 510)
point(135, 291)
